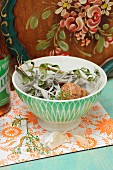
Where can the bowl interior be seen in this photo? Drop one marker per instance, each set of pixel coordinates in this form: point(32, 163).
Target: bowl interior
point(66, 63)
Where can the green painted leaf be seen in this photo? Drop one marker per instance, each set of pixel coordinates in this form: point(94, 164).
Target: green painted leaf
point(105, 26)
point(28, 22)
point(97, 36)
point(111, 30)
point(33, 22)
point(43, 45)
point(46, 14)
point(100, 44)
point(63, 45)
point(54, 26)
point(50, 34)
point(62, 35)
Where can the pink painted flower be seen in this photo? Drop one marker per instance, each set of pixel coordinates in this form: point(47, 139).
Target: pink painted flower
point(85, 42)
point(108, 42)
point(62, 23)
point(80, 36)
point(85, 29)
point(77, 5)
point(73, 14)
point(95, 2)
point(74, 24)
point(94, 16)
point(93, 30)
point(82, 15)
point(67, 14)
point(57, 52)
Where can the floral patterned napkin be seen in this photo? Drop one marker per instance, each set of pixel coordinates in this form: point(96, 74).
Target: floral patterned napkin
point(22, 138)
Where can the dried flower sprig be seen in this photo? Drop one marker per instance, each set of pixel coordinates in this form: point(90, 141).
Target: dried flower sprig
point(31, 142)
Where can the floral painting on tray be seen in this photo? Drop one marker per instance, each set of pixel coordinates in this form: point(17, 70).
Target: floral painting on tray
point(80, 28)
point(80, 22)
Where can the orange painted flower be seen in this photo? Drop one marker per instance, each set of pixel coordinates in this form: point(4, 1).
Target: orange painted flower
point(16, 111)
point(11, 132)
point(32, 118)
point(68, 134)
point(13, 157)
point(92, 143)
point(87, 121)
point(96, 108)
point(105, 126)
point(34, 155)
point(88, 131)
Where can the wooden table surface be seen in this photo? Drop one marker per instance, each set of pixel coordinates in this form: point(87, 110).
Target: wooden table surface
point(96, 159)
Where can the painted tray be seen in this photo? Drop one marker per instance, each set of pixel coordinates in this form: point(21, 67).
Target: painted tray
point(60, 27)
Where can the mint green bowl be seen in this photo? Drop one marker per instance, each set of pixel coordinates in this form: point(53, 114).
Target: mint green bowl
point(60, 115)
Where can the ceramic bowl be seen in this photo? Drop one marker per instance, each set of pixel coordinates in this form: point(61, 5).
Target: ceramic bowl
point(60, 115)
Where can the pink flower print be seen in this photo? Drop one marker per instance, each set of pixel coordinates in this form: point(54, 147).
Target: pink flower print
point(58, 52)
point(74, 24)
point(77, 5)
point(95, 2)
point(85, 42)
point(93, 30)
point(85, 29)
point(62, 23)
point(73, 14)
point(108, 42)
point(67, 14)
point(94, 15)
point(82, 15)
point(87, 7)
point(80, 35)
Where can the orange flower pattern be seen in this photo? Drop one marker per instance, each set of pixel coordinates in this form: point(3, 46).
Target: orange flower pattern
point(105, 126)
point(96, 127)
point(31, 118)
point(11, 132)
point(91, 144)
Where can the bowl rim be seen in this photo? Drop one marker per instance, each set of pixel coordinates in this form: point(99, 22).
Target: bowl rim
point(72, 100)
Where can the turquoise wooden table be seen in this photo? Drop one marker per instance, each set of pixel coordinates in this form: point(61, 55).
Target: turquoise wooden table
point(96, 159)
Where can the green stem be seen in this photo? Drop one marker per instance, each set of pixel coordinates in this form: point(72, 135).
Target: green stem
point(84, 53)
point(105, 34)
point(53, 6)
point(56, 37)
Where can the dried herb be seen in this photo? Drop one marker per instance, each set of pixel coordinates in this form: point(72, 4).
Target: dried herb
point(46, 80)
point(31, 142)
